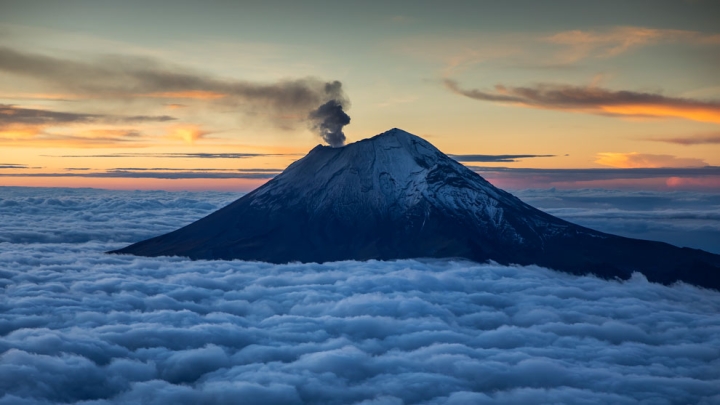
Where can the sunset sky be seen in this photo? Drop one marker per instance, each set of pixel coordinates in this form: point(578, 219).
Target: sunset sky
point(215, 95)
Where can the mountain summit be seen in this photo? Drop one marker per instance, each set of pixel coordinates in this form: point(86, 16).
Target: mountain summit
point(396, 196)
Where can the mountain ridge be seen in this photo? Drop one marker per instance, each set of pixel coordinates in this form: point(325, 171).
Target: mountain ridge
point(396, 196)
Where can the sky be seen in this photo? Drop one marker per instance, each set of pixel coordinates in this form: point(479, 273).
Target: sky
point(189, 95)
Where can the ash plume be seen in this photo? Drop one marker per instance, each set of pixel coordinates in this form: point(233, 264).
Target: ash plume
point(285, 103)
point(328, 121)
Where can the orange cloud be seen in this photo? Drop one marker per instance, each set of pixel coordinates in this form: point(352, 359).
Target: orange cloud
point(596, 100)
point(39, 137)
point(693, 113)
point(40, 96)
point(19, 131)
point(634, 160)
point(192, 94)
point(187, 133)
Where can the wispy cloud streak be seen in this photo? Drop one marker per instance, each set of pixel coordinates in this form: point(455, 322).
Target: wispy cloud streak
point(12, 115)
point(581, 44)
point(495, 158)
point(181, 155)
point(700, 139)
point(13, 166)
point(31, 127)
point(604, 173)
point(156, 174)
point(596, 100)
point(645, 160)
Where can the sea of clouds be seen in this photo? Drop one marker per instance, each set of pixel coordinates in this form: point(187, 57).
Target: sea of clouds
point(81, 326)
point(76, 215)
point(682, 218)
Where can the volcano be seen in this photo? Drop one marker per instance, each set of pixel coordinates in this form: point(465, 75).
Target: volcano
point(396, 196)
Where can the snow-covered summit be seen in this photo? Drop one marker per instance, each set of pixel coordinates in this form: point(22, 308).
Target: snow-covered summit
point(396, 196)
point(390, 172)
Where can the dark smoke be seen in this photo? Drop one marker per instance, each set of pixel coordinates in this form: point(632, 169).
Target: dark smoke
point(328, 121)
point(128, 77)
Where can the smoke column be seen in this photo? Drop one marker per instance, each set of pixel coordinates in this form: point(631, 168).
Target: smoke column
point(329, 119)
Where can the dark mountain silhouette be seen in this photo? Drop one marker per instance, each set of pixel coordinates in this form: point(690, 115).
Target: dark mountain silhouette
point(395, 196)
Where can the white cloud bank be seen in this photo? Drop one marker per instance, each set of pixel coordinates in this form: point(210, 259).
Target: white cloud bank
point(79, 326)
point(686, 219)
point(54, 215)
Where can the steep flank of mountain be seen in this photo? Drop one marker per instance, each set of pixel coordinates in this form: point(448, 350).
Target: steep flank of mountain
point(396, 196)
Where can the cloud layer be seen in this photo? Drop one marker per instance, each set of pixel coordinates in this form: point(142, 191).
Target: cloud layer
point(687, 219)
point(494, 158)
point(49, 215)
point(79, 326)
point(659, 178)
point(596, 100)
